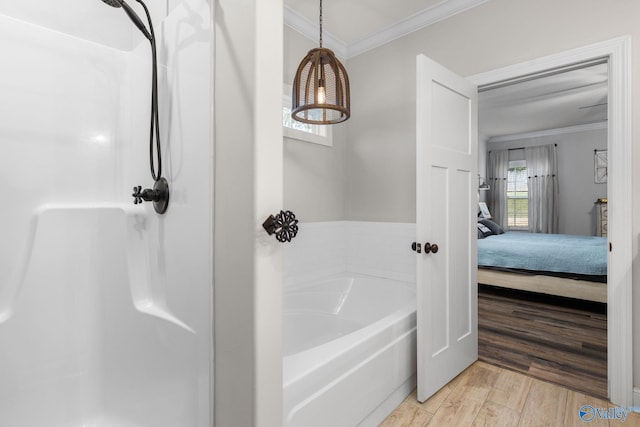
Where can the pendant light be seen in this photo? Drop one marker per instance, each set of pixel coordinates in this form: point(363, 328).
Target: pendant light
point(321, 88)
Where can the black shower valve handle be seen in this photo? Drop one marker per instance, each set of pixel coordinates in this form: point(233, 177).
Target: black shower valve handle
point(147, 195)
point(137, 196)
point(159, 195)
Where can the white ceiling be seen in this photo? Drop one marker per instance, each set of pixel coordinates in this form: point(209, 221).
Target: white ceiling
point(571, 98)
point(359, 25)
point(339, 16)
point(352, 27)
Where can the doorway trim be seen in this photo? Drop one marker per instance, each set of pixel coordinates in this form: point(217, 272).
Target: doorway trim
point(619, 189)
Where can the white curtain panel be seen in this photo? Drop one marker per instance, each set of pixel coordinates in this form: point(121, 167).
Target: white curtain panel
point(542, 168)
point(497, 171)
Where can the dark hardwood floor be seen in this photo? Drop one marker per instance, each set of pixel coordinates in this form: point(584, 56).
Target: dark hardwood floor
point(559, 340)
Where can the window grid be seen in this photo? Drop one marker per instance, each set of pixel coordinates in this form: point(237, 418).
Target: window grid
point(517, 197)
point(293, 129)
point(289, 122)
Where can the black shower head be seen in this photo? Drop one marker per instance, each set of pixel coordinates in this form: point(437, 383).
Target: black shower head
point(132, 15)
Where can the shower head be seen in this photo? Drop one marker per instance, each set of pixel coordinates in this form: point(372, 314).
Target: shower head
point(132, 15)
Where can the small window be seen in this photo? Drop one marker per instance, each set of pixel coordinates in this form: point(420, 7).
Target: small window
point(317, 134)
point(518, 195)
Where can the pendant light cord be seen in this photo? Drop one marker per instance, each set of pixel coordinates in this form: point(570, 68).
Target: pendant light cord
point(321, 23)
point(154, 122)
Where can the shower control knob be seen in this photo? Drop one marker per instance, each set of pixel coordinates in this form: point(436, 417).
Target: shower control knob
point(138, 196)
point(146, 195)
point(159, 195)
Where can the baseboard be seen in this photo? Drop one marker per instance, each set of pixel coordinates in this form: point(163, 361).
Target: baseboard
point(636, 399)
point(386, 408)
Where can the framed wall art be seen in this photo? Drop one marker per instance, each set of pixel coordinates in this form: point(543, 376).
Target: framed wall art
point(600, 166)
point(484, 210)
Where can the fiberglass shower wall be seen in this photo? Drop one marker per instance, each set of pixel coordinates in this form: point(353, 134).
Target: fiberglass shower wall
point(105, 307)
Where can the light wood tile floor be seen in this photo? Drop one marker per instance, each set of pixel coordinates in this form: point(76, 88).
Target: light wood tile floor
point(487, 395)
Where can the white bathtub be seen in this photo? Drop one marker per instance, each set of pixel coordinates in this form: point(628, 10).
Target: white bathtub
point(349, 350)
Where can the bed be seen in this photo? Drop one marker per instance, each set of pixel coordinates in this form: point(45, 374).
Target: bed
point(555, 264)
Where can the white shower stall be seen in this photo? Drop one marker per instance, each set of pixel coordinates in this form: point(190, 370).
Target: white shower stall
point(105, 306)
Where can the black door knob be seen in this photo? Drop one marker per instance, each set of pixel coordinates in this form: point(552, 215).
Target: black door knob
point(416, 247)
point(431, 248)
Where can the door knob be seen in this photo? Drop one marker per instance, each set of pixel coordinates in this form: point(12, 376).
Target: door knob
point(416, 247)
point(284, 225)
point(431, 247)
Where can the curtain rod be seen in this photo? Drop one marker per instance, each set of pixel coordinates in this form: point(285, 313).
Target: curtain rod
point(522, 148)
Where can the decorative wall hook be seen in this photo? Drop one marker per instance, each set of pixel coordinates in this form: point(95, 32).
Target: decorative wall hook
point(284, 225)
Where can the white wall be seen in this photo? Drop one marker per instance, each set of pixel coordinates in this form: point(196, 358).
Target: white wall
point(373, 248)
point(314, 175)
point(381, 133)
point(248, 187)
point(76, 79)
point(577, 189)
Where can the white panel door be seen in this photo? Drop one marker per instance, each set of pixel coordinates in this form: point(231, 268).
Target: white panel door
point(446, 216)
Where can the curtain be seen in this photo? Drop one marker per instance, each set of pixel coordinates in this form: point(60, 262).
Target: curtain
point(542, 168)
point(498, 168)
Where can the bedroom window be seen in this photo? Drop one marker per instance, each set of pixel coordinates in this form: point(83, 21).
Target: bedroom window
point(517, 195)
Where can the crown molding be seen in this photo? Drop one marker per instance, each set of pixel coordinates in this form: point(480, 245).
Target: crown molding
point(304, 26)
point(483, 137)
point(549, 132)
point(417, 21)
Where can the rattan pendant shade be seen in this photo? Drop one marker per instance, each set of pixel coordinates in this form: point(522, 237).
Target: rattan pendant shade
point(321, 88)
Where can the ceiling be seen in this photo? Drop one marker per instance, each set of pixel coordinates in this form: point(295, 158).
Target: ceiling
point(571, 98)
point(371, 15)
point(351, 27)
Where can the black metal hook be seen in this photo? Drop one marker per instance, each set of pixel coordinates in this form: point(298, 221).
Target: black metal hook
point(284, 225)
